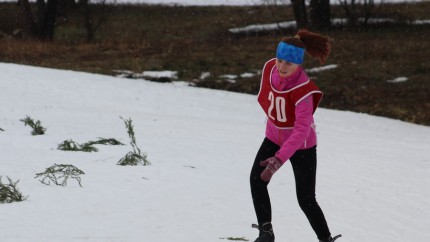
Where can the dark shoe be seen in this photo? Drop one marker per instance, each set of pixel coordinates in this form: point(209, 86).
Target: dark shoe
point(266, 233)
point(330, 239)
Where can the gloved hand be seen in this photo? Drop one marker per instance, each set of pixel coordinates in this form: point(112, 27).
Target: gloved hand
point(272, 164)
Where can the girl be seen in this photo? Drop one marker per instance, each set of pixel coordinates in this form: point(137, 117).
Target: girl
point(289, 100)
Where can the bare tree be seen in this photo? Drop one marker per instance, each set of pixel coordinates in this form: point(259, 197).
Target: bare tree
point(320, 14)
point(48, 23)
point(29, 27)
point(272, 5)
point(44, 25)
point(350, 9)
point(356, 9)
point(93, 19)
point(299, 9)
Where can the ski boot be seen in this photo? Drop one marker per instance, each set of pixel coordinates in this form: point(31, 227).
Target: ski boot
point(330, 239)
point(266, 233)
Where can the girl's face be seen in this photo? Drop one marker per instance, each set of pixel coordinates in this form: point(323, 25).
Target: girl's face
point(285, 68)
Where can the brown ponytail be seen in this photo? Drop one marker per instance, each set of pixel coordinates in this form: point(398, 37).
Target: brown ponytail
point(316, 45)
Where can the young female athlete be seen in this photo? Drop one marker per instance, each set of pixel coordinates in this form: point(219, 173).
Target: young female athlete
point(289, 100)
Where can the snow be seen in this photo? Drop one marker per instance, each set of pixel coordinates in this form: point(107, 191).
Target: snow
point(229, 76)
point(426, 21)
point(372, 174)
point(232, 78)
point(263, 27)
point(256, 28)
point(321, 68)
point(398, 79)
point(205, 75)
point(152, 75)
point(160, 74)
point(247, 75)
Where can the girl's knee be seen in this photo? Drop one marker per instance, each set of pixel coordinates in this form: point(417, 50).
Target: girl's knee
point(307, 201)
point(257, 183)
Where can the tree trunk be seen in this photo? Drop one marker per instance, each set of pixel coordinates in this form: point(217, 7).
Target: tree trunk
point(350, 11)
point(48, 25)
point(93, 18)
point(43, 27)
point(30, 26)
point(41, 12)
point(88, 20)
point(299, 9)
point(320, 14)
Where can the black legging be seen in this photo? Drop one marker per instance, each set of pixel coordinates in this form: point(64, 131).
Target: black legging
point(304, 163)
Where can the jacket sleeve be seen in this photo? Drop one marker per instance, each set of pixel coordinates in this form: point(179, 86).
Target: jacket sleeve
point(302, 128)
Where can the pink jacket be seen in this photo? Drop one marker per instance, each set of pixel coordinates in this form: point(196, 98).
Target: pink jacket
point(303, 135)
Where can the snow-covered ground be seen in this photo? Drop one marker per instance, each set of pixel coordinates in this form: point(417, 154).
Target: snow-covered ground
point(255, 28)
point(373, 172)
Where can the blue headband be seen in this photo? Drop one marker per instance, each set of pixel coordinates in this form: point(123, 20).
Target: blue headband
point(290, 53)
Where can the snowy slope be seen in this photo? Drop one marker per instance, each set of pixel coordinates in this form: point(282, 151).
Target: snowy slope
point(372, 172)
